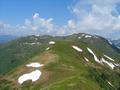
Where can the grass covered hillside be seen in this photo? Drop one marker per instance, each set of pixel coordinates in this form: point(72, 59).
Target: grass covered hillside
point(74, 62)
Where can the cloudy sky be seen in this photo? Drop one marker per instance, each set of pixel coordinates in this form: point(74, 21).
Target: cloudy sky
point(60, 17)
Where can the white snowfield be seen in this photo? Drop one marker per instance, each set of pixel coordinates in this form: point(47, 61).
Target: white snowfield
point(110, 42)
point(109, 58)
point(88, 36)
point(77, 48)
point(117, 65)
point(35, 64)
point(95, 57)
point(86, 59)
point(34, 43)
point(102, 60)
point(79, 37)
point(83, 35)
point(108, 63)
point(30, 43)
point(110, 83)
point(51, 42)
point(118, 47)
point(34, 76)
point(47, 48)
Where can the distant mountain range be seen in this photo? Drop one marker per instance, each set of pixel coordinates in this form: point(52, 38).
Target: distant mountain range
point(6, 38)
point(116, 42)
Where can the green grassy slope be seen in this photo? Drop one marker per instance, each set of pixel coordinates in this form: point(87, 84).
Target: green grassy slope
point(64, 67)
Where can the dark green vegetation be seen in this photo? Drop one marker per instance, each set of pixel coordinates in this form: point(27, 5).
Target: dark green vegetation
point(64, 67)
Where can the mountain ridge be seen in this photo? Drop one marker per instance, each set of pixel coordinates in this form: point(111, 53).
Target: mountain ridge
point(74, 62)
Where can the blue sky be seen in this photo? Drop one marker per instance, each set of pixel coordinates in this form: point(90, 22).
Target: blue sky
point(15, 11)
point(60, 17)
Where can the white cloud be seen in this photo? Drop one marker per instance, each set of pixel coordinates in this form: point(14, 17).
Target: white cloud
point(41, 23)
point(90, 16)
point(94, 17)
point(36, 25)
point(97, 17)
point(67, 29)
point(71, 24)
point(36, 15)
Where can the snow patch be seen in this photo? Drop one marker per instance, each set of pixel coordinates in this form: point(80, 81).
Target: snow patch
point(110, 83)
point(79, 37)
point(118, 47)
point(83, 35)
point(95, 57)
point(109, 58)
point(110, 42)
point(86, 59)
point(88, 36)
point(77, 48)
point(47, 48)
point(108, 63)
point(51, 42)
point(30, 43)
point(34, 43)
point(34, 76)
point(36, 65)
point(117, 65)
point(102, 60)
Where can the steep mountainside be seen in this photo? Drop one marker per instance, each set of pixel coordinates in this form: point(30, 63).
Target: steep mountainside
point(74, 62)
